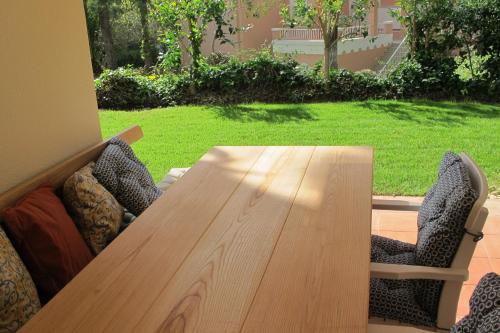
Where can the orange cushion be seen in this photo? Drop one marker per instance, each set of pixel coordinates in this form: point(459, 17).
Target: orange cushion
point(47, 240)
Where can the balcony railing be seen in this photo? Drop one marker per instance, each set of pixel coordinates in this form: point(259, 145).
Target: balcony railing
point(315, 34)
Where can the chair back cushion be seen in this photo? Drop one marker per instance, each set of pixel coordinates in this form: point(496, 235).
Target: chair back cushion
point(442, 216)
point(484, 315)
point(18, 296)
point(95, 211)
point(441, 222)
point(121, 173)
point(47, 240)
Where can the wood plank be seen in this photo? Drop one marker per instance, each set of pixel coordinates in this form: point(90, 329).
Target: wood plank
point(57, 174)
point(318, 278)
point(129, 274)
point(213, 289)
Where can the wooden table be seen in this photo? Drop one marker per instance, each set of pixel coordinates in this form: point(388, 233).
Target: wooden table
point(252, 239)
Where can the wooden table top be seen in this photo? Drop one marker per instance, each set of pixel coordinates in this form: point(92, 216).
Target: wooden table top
point(251, 239)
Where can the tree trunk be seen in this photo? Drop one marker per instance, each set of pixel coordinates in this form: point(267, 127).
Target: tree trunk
point(147, 42)
point(330, 52)
point(107, 34)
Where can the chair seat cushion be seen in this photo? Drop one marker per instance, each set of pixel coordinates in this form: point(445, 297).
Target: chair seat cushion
point(122, 174)
point(18, 296)
point(47, 240)
point(395, 299)
point(391, 251)
point(95, 211)
point(171, 177)
point(484, 315)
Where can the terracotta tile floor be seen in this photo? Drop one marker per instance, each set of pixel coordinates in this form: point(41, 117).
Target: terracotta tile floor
point(403, 226)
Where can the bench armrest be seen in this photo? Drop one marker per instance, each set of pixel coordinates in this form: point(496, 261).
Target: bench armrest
point(403, 205)
point(405, 272)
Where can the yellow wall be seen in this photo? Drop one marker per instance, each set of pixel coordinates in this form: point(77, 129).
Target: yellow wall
point(48, 109)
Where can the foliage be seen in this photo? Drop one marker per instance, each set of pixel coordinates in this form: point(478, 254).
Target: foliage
point(267, 78)
point(328, 16)
point(413, 79)
point(184, 22)
point(126, 88)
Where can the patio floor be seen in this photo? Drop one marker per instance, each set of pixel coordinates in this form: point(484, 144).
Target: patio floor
point(403, 226)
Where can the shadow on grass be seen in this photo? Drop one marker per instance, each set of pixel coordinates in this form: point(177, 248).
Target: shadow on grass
point(430, 112)
point(267, 113)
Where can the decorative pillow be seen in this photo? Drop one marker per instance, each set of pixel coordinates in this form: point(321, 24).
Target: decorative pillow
point(96, 212)
point(119, 170)
point(18, 297)
point(47, 240)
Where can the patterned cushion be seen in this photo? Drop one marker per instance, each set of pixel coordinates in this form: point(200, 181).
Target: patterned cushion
point(449, 159)
point(18, 296)
point(442, 216)
point(119, 170)
point(484, 316)
point(441, 223)
point(95, 211)
point(391, 298)
point(391, 251)
point(396, 299)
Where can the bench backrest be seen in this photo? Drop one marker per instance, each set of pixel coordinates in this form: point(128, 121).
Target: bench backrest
point(57, 174)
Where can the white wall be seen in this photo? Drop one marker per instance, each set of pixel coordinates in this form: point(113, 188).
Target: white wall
point(48, 109)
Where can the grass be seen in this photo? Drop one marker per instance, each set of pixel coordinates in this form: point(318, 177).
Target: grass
point(409, 137)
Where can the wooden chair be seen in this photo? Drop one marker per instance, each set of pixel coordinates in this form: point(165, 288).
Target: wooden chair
point(457, 273)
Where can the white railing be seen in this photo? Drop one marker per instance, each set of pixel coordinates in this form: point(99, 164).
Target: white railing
point(314, 34)
point(297, 34)
point(396, 58)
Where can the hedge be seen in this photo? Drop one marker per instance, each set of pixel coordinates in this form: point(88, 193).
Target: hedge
point(267, 79)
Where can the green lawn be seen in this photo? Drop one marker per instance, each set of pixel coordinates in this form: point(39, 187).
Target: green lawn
point(409, 137)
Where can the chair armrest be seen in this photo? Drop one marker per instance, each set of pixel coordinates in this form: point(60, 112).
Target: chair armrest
point(384, 204)
point(405, 272)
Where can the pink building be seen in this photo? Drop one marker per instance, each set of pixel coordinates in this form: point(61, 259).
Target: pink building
point(306, 45)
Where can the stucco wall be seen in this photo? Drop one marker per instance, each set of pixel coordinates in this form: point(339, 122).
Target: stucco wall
point(48, 109)
point(367, 59)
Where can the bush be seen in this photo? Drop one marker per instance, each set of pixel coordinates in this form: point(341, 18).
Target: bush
point(411, 79)
point(126, 88)
point(266, 79)
point(346, 85)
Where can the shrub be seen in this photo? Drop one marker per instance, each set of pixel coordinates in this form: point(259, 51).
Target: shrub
point(346, 85)
point(126, 88)
point(411, 79)
point(266, 78)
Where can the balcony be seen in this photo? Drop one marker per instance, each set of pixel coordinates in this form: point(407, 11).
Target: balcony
point(310, 41)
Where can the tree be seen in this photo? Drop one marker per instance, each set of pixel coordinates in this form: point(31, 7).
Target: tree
point(326, 15)
point(93, 34)
point(185, 22)
point(148, 47)
point(107, 33)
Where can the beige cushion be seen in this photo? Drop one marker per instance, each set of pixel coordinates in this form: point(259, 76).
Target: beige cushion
point(172, 176)
point(95, 211)
point(18, 296)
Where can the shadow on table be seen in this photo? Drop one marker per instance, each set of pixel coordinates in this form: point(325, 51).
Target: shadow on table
point(268, 113)
point(431, 112)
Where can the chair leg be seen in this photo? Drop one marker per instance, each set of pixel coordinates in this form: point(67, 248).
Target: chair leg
point(448, 304)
